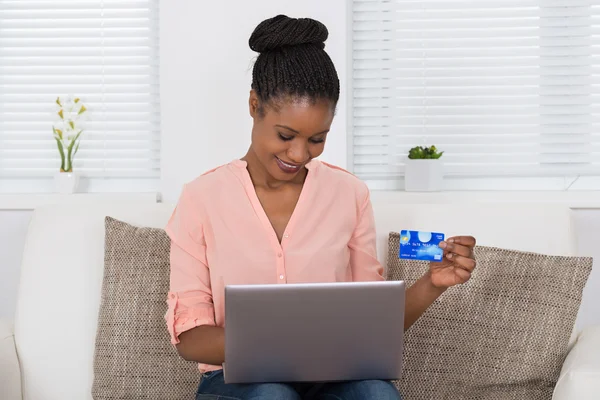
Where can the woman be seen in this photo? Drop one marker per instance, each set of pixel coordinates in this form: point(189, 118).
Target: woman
point(279, 216)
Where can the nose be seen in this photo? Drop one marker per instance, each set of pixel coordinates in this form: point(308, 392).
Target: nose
point(298, 152)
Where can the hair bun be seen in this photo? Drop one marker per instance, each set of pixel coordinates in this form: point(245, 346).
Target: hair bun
point(281, 31)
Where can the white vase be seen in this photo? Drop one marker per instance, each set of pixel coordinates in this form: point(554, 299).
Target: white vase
point(66, 182)
point(423, 175)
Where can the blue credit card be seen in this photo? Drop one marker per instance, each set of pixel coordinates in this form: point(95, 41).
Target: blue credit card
point(418, 245)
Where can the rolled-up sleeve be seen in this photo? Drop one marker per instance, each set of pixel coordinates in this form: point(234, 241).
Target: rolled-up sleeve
point(363, 245)
point(189, 300)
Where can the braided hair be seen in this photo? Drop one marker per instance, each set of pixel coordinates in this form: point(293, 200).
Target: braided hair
point(292, 62)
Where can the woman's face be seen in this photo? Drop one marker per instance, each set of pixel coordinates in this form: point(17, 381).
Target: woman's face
point(285, 139)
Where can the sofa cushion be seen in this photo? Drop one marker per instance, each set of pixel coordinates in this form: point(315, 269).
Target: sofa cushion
point(502, 335)
point(133, 357)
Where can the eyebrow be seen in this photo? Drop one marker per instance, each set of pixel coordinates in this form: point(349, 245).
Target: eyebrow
point(295, 131)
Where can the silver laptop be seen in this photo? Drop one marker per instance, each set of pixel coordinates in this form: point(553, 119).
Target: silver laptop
point(314, 332)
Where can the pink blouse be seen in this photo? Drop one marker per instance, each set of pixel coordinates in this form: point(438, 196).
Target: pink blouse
point(220, 235)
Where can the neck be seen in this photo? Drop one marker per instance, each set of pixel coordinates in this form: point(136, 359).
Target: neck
point(261, 177)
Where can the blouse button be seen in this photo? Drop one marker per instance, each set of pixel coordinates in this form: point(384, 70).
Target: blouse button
point(286, 236)
point(279, 255)
point(280, 276)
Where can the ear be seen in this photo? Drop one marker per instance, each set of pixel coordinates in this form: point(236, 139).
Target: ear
point(253, 104)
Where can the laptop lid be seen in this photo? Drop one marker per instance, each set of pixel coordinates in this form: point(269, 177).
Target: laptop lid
point(314, 332)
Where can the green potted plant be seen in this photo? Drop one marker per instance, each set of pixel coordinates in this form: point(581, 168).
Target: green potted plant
point(67, 134)
point(424, 170)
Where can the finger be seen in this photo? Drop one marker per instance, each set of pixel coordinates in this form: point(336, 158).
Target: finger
point(464, 275)
point(468, 241)
point(465, 263)
point(456, 249)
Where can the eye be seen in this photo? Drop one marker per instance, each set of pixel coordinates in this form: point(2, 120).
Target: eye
point(317, 141)
point(284, 137)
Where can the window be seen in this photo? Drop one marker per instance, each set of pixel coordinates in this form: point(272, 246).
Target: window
point(509, 89)
point(104, 52)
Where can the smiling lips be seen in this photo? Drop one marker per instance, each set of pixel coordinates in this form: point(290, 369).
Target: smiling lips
point(288, 168)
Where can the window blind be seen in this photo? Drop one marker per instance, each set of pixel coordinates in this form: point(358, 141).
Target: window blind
point(104, 52)
point(507, 88)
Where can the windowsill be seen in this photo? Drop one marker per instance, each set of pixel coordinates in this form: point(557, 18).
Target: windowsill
point(572, 199)
point(579, 199)
point(30, 201)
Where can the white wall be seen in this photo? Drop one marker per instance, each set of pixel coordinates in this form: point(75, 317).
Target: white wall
point(206, 72)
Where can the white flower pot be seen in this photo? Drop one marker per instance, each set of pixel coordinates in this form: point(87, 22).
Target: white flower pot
point(66, 182)
point(423, 175)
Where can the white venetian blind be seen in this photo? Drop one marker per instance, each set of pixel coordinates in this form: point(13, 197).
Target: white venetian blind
point(504, 87)
point(104, 52)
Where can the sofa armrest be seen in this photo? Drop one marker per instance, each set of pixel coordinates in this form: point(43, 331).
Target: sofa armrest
point(580, 375)
point(10, 373)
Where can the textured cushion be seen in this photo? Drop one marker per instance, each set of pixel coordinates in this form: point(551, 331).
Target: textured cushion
point(502, 335)
point(133, 356)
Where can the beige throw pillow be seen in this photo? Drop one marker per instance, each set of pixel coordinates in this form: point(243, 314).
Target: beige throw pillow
point(134, 358)
point(503, 335)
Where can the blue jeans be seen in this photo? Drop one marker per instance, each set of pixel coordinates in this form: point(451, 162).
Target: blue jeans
point(213, 387)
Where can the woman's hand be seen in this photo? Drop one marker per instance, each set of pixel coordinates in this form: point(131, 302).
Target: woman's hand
point(458, 263)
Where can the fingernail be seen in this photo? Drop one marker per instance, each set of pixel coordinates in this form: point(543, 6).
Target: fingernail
point(451, 240)
point(449, 255)
point(443, 245)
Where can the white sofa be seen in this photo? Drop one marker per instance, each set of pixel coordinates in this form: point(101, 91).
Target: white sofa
point(49, 354)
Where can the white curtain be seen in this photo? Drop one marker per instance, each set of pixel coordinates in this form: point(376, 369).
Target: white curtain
point(103, 52)
point(507, 88)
